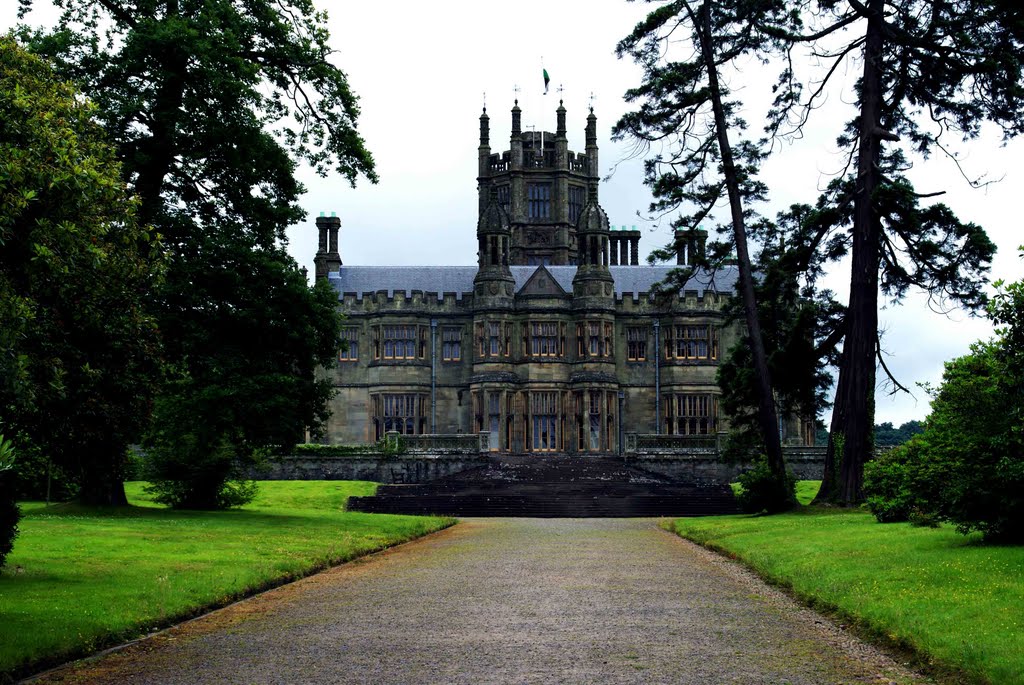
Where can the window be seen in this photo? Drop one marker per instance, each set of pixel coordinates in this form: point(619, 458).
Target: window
point(594, 420)
point(538, 196)
point(503, 197)
point(544, 413)
point(495, 339)
point(594, 339)
point(692, 342)
point(494, 419)
point(577, 195)
point(399, 342)
point(349, 351)
point(544, 339)
point(636, 343)
point(398, 412)
point(451, 344)
point(690, 414)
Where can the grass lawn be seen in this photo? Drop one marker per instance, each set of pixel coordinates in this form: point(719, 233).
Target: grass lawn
point(957, 603)
point(80, 578)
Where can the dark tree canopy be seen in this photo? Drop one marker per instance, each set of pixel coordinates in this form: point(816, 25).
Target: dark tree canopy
point(684, 109)
point(79, 354)
point(932, 72)
point(802, 326)
point(212, 105)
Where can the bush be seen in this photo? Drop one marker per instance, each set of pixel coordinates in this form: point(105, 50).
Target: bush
point(967, 467)
point(904, 484)
point(9, 512)
point(193, 463)
point(886, 484)
point(761, 491)
point(34, 472)
point(190, 473)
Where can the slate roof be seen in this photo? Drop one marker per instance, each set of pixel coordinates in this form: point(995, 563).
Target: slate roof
point(634, 280)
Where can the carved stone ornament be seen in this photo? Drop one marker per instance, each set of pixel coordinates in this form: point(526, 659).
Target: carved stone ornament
point(538, 238)
point(494, 288)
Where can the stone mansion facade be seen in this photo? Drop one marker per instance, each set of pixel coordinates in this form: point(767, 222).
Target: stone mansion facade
point(552, 343)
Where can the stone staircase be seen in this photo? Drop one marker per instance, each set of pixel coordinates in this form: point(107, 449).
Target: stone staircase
point(556, 486)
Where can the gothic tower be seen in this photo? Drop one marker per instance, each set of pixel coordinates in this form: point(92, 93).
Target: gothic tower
point(541, 185)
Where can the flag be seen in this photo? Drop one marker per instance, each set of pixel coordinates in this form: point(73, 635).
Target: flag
point(547, 80)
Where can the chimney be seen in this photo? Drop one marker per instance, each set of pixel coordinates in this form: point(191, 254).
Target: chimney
point(327, 260)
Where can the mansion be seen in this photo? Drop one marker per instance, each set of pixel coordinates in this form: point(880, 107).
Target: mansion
point(552, 343)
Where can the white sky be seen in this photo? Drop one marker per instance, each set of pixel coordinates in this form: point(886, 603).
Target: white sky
point(421, 70)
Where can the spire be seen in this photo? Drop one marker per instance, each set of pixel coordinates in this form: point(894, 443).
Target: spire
point(560, 112)
point(485, 129)
point(517, 121)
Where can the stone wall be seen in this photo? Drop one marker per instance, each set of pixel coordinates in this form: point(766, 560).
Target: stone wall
point(704, 466)
point(416, 468)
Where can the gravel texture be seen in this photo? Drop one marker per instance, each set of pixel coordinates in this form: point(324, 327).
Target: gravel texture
point(511, 601)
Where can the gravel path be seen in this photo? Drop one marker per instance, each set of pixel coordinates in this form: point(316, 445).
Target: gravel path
point(511, 601)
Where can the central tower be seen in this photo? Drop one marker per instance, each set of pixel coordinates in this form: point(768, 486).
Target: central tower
point(541, 186)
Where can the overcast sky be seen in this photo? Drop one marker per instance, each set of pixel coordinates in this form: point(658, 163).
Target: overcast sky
point(421, 70)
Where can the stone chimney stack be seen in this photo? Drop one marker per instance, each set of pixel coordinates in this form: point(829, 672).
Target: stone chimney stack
point(691, 245)
point(327, 260)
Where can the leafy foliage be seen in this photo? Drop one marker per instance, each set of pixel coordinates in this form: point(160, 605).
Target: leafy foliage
point(969, 472)
point(900, 484)
point(762, 492)
point(888, 435)
point(906, 103)
point(9, 512)
point(801, 323)
point(78, 352)
point(686, 109)
point(212, 104)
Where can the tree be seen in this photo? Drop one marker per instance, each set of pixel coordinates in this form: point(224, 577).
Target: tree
point(10, 514)
point(684, 102)
point(213, 417)
point(888, 435)
point(802, 326)
point(930, 69)
point(78, 352)
point(212, 105)
point(971, 472)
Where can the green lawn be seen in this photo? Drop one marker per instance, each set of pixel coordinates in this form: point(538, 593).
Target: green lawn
point(956, 602)
point(80, 579)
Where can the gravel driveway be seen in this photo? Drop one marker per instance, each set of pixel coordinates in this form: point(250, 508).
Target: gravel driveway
point(511, 601)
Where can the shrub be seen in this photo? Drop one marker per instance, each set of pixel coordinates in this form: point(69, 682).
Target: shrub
point(313, 449)
point(35, 473)
point(191, 473)
point(886, 487)
point(761, 491)
point(967, 467)
point(9, 512)
point(906, 484)
point(193, 463)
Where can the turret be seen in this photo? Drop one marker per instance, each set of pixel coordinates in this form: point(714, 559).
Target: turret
point(493, 283)
point(593, 285)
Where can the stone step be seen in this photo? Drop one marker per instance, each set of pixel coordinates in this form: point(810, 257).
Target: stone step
point(551, 486)
point(543, 507)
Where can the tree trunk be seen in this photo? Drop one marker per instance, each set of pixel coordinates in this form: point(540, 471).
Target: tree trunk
point(850, 442)
point(766, 413)
point(102, 487)
point(157, 152)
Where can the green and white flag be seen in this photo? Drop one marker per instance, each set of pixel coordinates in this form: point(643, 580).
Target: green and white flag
point(547, 80)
